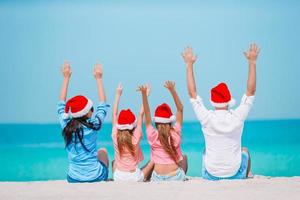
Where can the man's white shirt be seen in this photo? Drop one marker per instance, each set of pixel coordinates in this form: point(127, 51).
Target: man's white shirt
point(222, 131)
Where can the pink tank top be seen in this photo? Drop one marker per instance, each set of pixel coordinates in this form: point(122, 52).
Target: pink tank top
point(158, 154)
point(127, 162)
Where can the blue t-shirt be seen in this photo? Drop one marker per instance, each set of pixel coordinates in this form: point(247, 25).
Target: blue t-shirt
point(84, 165)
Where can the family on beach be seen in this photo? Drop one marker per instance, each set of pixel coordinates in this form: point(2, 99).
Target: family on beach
point(223, 157)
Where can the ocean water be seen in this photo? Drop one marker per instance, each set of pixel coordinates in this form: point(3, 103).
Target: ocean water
point(31, 152)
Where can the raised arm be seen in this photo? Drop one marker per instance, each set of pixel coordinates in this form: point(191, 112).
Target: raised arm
point(98, 73)
point(66, 71)
point(143, 90)
point(142, 112)
point(251, 56)
point(189, 58)
point(116, 104)
point(170, 85)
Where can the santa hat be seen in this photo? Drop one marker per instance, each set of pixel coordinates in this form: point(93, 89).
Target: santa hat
point(221, 97)
point(163, 114)
point(78, 106)
point(126, 120)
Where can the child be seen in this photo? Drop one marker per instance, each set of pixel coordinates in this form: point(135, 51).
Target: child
point(86, 164)
point(127, 135)
point(224, 158)
point(169, 163)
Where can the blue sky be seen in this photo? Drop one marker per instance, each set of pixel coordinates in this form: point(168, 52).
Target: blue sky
point(141, 42)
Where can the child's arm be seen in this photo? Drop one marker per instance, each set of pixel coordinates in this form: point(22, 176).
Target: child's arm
point(116, 104)
point(189, 59)
point(171, 87)
point(251, 56)
point(98, 73)
point(66, 71)
point(142, 112)
point(143, 90)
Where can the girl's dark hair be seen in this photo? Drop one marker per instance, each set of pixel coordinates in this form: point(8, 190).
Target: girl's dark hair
point(75, 126)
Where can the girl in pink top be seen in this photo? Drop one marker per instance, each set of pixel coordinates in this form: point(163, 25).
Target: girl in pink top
point(169, 163)
point(126, 135)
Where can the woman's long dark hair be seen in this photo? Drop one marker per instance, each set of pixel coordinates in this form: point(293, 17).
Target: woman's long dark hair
point(75, 126)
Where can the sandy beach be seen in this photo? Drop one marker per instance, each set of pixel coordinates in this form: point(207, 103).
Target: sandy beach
point(257, 188)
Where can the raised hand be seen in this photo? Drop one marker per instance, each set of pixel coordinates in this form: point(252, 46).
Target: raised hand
point(251, 56)
point(144, 89)
point(119, 89)
point(66, 72)
point(170, 85)
point(188, 56)
point(98, 71)
point(66, 69)
point(252, 53)
point(148, 89)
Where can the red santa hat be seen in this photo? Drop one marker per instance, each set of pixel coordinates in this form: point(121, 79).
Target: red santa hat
point(126, 120)
point(163, 114)
point(221, 97)
point(78, 106)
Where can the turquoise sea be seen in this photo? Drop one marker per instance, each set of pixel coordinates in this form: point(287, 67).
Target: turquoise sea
point(32, 152)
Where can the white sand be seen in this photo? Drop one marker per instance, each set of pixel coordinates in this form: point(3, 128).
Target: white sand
point(257, 188)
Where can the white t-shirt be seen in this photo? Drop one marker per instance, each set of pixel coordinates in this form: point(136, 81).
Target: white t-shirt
point(222, 131)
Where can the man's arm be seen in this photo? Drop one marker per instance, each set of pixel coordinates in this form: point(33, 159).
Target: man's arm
point(251, 56)
point(171, 87)
point(189, 59)
point(66, 71)
point(98, 74)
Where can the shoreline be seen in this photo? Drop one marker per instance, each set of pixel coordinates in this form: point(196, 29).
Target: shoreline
point(259, 187)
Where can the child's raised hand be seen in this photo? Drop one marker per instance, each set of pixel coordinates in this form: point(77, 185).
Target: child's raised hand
point(170, 85)
point(119, 89)
point(143, 89)
point(98, 71)
point(148, 89)
point(188, 56)
point(66, 69)
point(252, 53)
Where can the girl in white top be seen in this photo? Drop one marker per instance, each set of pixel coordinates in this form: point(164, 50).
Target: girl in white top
point(224, 158)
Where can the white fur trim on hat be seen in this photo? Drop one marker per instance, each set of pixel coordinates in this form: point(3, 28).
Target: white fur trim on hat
point(84, 111)
point(230, 103)
point(164, 120)
point(127, 126)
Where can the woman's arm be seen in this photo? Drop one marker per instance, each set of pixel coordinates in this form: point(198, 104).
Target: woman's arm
point(98, 74)
point(170, 85)
point(116, 104)
point(143, 90)
point(189, 59)
point(66, 71)
point(251, 56)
